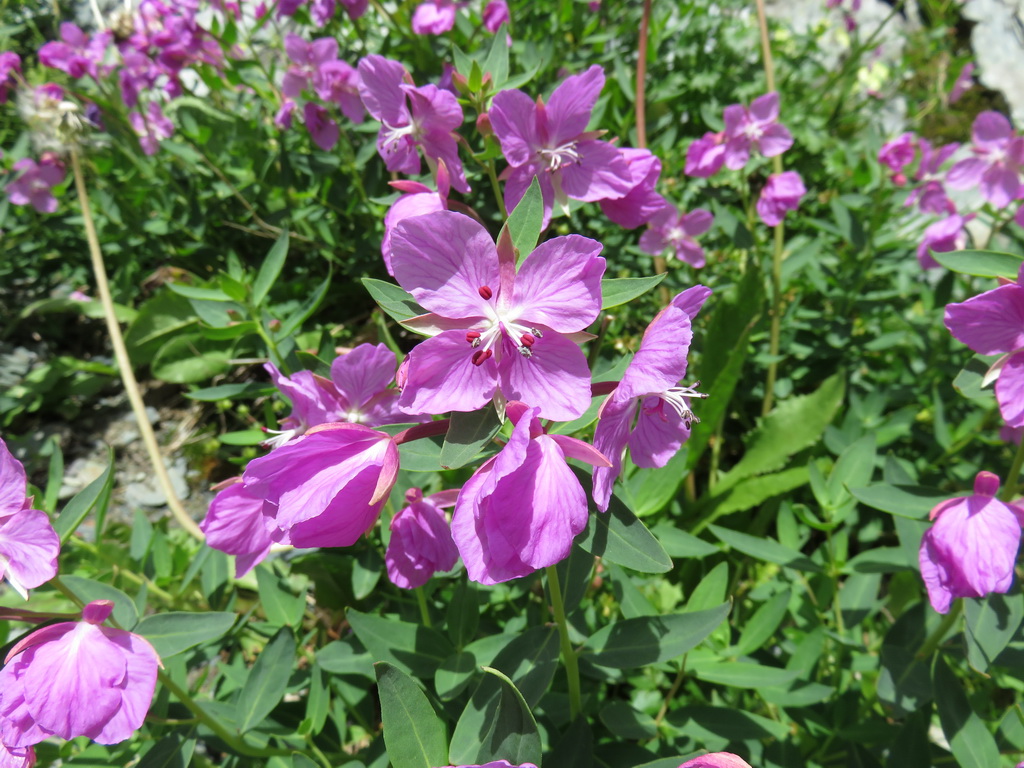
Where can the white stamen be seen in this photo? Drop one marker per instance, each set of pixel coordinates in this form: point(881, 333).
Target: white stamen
point(566, 154)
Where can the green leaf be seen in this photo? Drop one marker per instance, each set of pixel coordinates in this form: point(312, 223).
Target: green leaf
point(190, 358)
point(854, 468)
point(525, 221)
point(972, 744)
point(176, 631)
point(125, 613)
point(633, 643)
point(291, 324)
point(616, 291)
point(342, 658)
point(619, 537)
point(981, 263)
point(991, 622)
point(750, 492)
point(463, 614)
point(271, 268)
point(626, 723)
point(497, 58)
point(413, 648)
point(762, 625)
point(795, 424)
point(82, 503)
point(230, 392)
point(497, 724)
point(281, 606)
point(913, 501)
point(768, 550)
point(268, 678)
point(968, 381)
point(414, 735)
point(202, 294)
point(172, 751)
point(243, 437)
point(647, 491)
point(679, 543)
point(392, 299)
point(468, 434)
point(740, 674)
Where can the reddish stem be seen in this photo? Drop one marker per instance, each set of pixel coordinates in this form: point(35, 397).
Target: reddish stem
point(603, 388)
point(420, 431)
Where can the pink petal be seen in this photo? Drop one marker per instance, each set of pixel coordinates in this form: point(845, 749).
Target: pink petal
point(406, 207)
point(363, 372)
point(601, 173)
point(966, 174)
point(234, 524)
point(765, 109)
point(556, 377)
point(775, 140)
point(13, 485)
point(380, 82)
point(1010, 391)
point(991, 128)
point(990, 323)
point(513, 117)
point(30, 547)
point(716, 760)
point(999, 185)
point(568, 110)
point(140, 683)
point(441, 376)
point(559, 284)
point(610, 438)
point(574, 448)
point(658, 434)
point(691, 300)
point(660, 362)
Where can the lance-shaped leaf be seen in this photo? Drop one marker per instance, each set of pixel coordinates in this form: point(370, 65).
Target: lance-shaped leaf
point(413, 733)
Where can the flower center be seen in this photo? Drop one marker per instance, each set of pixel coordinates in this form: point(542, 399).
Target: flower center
point(556, 157)
point(393, 135)
point(488, 341)
point(678, 399)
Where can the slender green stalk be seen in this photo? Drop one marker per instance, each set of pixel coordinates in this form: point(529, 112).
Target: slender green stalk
point(63, 588)
point(421, 598)
point(493, 176)
point(124, 364)
point(950, 619)
point(234, 742)
point(318, 753)
point(680, 676)
point(1013, 478)
point(572, 667)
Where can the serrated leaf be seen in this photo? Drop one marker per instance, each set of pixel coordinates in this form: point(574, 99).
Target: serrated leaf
point(414, 735)
point(619, 290)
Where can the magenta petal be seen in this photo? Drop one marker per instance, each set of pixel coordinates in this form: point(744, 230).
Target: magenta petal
point(716, 760)
point(1010, 391)
point(441, 376)
point(735, 117)
point(16, 757)
point(362, 373)
point(658, 434)
point(559, 284)
point(17, 726)
point(574, 448)
point(990, 323)
point(775, 140)
point(555, 377)
point(28, 550)
point(513, 117)
point(568, 110)
point(999, 185)
point(138, 687)
point(13, 485)
point(421, 545)
point(660, 362)
point(991, 128)
point(600, 174)
point(443, 259)
point(406, 207)
point(691, 300)
point(380, 86)
point(765, 109)
point(234, 524)
point(610, 438)
point(75, 682)
point(653, 241)
point(966, 174)
point(697, 222)
point(737, 152)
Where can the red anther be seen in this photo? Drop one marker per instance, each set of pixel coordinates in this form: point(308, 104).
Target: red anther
point(480, 355)
point(485, 292)
point(528, 340)
point(472, 336)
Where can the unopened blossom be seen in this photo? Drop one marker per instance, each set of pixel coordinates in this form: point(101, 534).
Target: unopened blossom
point(521, 509)
point(943, 236)
point(930, 196)
point(417, 200)
point(152, 128)
point(716, 760)
point(10, 64)
point(971, 548)
point(495, 329)
point(551, 142)
point(77, 678)
point(782, 193)
point(996, 165)
point(35, 182)
point(642, 202)
point(327, 488)
point(898, 153)
point(495, 14)
point(706, 156)
point(434, 17)
point(756, 128)
point(235, 525)
point(421, 541)
point(412, 118)
point(649, 410)
point(76, 53)
point(676, 230)
point(992, 323)
point(321, 126)
point(28, 544)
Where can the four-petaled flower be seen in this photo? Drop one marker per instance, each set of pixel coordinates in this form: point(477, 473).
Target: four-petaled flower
point(676, 230)
point(755, 128)
point(497, 330)
point(996, 167)
point(522, 509)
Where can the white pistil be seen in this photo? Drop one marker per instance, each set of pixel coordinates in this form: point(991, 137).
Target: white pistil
point(393, 135)
point(556, 157)
point(678, 399)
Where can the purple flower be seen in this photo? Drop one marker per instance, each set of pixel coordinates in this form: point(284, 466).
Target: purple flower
point(283, 118)
point(327, 488)
point(17, 757)
point(34, 185)
point(971, 549)
point(355, 8)
point(235, 524)
point(898, 153)
point(648, 411)
point(315, 401)
point(641, 203)
point(997, 163)
point(152, 128)
point(77, 678)
point(964, 81)
point(782, 193)
point(497, 330)
point(755, 128)
point(550, 142)
point(675, 230)
point(28, 544)
point(337, 82)
point(307, 59)
point(421, 542)
point(706, 155)
point(425, 117)
point(495, 14)
point(433, 17)
point(10, 63)
point(993, 324)
point(931, 195)
point(716, 760)
point(323, 130)
point(418, 200)
point(522, 509)
point(941, 237)
point(76, 53)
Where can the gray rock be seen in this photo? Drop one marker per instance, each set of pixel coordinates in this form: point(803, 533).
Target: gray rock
point(145, 491)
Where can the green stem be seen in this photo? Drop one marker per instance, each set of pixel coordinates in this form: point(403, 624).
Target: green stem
point(932, 643)
point(234, 742)
point(64, 590)
point(572, 667)
point(1010, 487)
point(421, 598)
point(318, 753)
point(493, 176)
point(776, 325)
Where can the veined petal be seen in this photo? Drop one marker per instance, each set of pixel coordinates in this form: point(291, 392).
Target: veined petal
point(13, 485)
point(555, 377)
point(380, 87)
point(660, 362)
point(559, 284)
point(513, 117)
point(362, 373)
point(610, 438)
point(443, 259)
point(569, 108)
point(17, 726)
point(600, 174)
point(966, 174)
point(574, 448)
point(658, 434)
point(433, 108)
point(234, 524)
point(1010, 391)
point(990, 323)
point(441, 376)
point(141, 662)
point(405, 207)
point(30, 546)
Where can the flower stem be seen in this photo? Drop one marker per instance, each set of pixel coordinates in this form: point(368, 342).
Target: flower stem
point(932, 643)
point(421, 598)
point(61, 587)
point(234, 742)
point(572, 668)
point(124, 364)
point(1010, 487)
point(493, 176)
